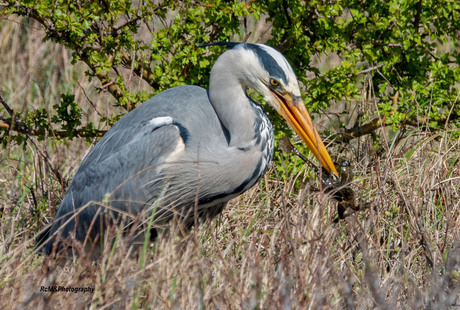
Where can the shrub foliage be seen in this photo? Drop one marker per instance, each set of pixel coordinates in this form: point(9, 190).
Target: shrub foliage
point(408, 50)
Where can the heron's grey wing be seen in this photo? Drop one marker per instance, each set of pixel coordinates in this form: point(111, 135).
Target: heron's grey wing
point(126, 164)
point(127, 176)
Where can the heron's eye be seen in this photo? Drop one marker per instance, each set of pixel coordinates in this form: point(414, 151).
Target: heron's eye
point(274, 82)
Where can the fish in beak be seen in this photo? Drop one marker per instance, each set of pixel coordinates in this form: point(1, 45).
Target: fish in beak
point(297, 116)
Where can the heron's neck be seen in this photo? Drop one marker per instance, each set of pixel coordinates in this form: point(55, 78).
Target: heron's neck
point(233, 107)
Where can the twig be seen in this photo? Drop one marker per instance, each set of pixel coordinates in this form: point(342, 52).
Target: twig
point(6, 106)
point(14, 123)
point(205, 5)
point(89, 100)
point(143, 72)
point(369, 127)
point(372, 68)
point(127, 23)
point(288, 147)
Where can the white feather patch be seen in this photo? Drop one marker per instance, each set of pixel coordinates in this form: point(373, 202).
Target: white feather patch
point(161, 121)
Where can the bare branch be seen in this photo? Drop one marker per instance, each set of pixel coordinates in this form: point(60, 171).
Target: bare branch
point(6, 106)
point(372, 68)
point(376, 123)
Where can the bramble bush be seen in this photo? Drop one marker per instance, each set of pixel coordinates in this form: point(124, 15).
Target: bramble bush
point(408, 49)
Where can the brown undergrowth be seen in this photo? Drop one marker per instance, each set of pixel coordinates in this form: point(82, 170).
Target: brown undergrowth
point(277, 247)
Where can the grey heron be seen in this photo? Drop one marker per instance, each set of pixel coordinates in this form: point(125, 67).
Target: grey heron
point(187, 151)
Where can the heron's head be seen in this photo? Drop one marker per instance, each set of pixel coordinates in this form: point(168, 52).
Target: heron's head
point(267, 71)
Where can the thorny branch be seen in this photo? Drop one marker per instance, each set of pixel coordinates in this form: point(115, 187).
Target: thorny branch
point(15, 124)
point(112, 87)
point(369, 127)
point(18, 126)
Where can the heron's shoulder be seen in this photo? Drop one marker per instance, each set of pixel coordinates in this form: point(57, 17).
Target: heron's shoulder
point(188, 89)
point(173, 94)
point(174, 101)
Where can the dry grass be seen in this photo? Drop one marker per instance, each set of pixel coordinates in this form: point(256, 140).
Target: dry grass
point(275, 247)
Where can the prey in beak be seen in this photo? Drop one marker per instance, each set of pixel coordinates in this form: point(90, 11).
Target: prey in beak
point(294, 112)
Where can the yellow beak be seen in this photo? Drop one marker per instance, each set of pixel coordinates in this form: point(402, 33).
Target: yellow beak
point(299, 119)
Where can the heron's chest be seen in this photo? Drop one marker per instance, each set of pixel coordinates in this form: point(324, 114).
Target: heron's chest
point(265, 141)
point(261, 147)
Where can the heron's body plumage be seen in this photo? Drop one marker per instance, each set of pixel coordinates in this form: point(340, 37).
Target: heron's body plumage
point(138, 159)
point(186, 149)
